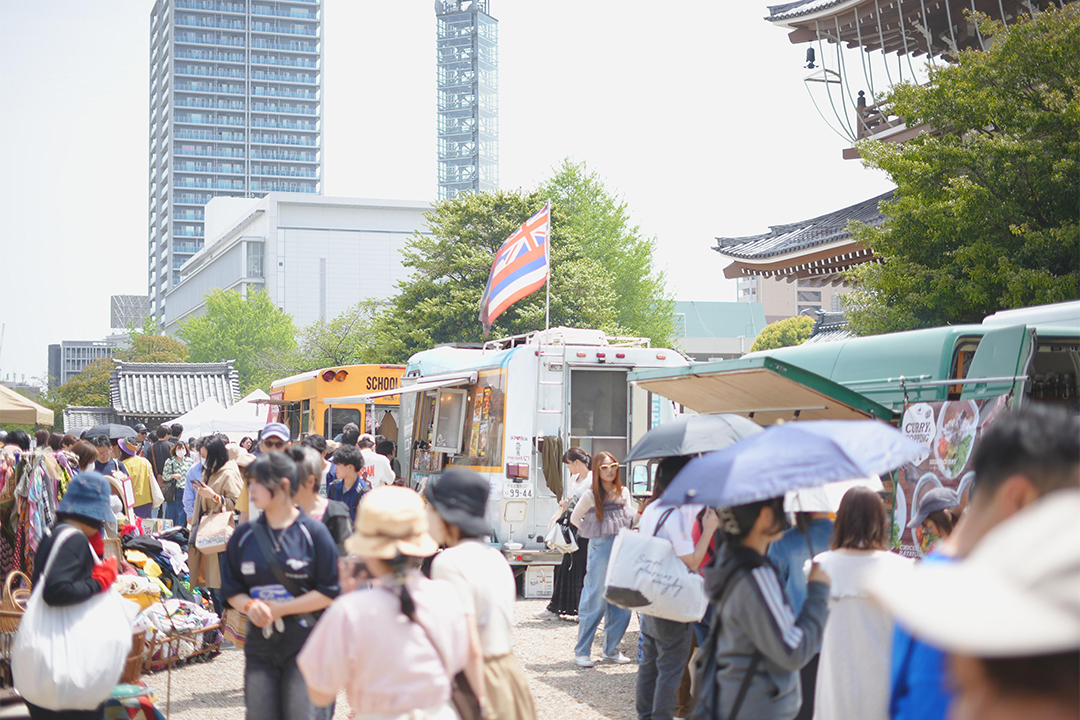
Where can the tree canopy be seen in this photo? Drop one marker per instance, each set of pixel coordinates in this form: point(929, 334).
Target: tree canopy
point(244, 329)
point(784, 333)
point(602, 274)
point(985, 212)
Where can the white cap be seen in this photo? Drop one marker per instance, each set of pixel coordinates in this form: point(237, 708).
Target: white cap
point(1017, 594)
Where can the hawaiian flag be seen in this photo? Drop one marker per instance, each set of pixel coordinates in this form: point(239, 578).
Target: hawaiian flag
point(521, 267)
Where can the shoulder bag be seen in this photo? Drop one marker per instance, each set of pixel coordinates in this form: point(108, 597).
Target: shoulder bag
point(215, 529)
point(266, 547)
point(707, 703)
point(462, 695)
point(70, 657)
point(646, 575)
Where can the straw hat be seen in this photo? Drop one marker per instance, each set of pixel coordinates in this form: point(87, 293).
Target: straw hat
point(392, 520)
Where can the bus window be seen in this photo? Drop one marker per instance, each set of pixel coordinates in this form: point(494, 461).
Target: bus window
point(305, 417)
point(335, 420)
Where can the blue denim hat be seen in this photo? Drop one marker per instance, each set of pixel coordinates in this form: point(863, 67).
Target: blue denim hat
point(88, 496)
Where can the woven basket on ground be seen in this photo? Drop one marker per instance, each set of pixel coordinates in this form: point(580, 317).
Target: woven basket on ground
point(13, 602)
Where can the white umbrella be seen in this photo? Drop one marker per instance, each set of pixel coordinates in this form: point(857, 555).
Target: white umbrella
point(826, 498)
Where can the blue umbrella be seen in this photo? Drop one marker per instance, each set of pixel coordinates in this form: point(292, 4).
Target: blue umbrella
point(789, 457)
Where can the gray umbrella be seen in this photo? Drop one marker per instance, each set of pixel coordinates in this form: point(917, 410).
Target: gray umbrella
point(113, 431)
point(692, 435)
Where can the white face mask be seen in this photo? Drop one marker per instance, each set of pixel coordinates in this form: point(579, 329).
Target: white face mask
point(181, 453)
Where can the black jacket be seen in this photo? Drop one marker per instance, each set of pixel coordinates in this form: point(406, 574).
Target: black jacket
point(337, 521)
point(69, 581)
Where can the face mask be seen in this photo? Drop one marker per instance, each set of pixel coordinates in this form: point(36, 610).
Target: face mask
point(181, 453)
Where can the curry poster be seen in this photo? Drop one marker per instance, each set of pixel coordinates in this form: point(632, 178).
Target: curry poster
point(948, 431)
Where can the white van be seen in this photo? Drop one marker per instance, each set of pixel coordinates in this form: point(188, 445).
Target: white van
point(496, 409)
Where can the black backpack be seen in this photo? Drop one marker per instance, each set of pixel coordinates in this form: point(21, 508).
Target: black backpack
point(707, 702)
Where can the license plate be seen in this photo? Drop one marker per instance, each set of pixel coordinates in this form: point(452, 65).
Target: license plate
point(517, 491)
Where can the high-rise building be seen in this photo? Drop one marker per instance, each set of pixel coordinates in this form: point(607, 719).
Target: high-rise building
point(468, 97)
point(235, 109)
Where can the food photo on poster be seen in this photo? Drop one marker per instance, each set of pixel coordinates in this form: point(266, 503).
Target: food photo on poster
point(949, 430)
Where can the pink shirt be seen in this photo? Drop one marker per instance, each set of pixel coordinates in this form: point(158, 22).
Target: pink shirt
point(385, 662)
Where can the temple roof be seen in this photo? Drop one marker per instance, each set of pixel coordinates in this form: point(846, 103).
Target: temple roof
point(795, 237)
point(799, 7)
point(170, 389)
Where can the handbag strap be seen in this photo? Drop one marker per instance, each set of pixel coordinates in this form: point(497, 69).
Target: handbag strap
point(744, 687)
point(663, 519)
point(262, 535)
point(64, 533)
point(714, 640)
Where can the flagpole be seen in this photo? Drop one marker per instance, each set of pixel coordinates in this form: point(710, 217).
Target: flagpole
point(547, 285)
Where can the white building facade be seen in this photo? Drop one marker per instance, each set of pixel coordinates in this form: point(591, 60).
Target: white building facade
point(316, 256)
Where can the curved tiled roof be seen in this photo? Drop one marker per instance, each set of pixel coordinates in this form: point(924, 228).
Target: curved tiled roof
point(171, 389)
point(793, 237)
point(799, 7)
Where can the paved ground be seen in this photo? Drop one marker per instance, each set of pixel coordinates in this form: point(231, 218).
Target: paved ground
point(562, 690)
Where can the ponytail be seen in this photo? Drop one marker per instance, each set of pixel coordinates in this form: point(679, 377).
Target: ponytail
point(400, 565)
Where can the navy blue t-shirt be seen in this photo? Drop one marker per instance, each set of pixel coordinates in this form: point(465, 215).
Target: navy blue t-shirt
point(307, 555)
point(350, 497)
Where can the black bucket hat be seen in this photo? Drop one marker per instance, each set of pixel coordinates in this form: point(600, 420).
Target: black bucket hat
point(460, 498)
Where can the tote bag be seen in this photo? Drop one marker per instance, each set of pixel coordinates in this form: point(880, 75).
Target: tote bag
point(70, 658)
point(646, 575)
point(214, 532)
point(561, 536)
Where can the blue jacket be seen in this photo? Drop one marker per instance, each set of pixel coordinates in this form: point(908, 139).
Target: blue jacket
point(193, 473)
point(919, 687)
point(790, 553)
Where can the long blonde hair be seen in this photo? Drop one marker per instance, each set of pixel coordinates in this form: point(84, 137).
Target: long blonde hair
point(599, 496)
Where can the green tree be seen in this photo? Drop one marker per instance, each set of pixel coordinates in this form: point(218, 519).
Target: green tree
point(784, 333)
point(244, 329)
point(985, 212)
point(598, 223)
point(601, 269)
point(348, 339)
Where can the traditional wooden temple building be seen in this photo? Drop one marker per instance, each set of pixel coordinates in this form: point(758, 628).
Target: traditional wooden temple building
point(888, 35)
point(797, 268)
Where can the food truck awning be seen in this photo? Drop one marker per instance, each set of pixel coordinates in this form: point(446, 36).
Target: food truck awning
point(429, 383)
point(762, 388)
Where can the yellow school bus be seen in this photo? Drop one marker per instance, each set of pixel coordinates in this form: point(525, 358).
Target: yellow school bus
point(301, 400)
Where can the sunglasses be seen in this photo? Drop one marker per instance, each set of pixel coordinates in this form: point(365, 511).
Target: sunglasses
point(609, 466)
point(274, 443)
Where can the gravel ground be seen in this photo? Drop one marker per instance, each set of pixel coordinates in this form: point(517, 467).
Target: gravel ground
point(545, 649)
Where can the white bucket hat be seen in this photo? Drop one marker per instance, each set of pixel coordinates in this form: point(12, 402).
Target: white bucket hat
point(1016, 595)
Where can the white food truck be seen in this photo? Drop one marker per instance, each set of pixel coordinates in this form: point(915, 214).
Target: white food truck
point(493, 409)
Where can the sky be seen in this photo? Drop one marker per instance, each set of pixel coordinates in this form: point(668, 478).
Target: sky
point(694, 113)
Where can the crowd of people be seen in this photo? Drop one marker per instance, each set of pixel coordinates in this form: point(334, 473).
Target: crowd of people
point(811, 616)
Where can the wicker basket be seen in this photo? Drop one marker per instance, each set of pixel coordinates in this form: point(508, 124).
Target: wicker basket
point(134, 666)
point(14, 600)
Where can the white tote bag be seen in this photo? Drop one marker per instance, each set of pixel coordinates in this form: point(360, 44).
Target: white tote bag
point(70, 658)
point(646, 575)
point(561, 538)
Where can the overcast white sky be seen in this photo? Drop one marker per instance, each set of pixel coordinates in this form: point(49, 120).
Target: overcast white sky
point(695, 112)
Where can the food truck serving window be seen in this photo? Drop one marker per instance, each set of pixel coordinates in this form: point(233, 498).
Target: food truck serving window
point(449, 420)
point(484, 423)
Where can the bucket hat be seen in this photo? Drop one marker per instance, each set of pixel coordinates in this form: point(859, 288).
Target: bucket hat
point(1016, 595)
point(460, 498)
point(87, 496)
point(391, 520)
point(937, 499)
point(130, 447)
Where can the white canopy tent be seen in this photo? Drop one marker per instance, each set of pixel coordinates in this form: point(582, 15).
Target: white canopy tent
point(210, 416)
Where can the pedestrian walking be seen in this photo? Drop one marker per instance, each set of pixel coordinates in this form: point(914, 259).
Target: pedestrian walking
point(457, 503)
point(394, 647)
point(280, 570)
point(193, 476)
point(1024, 455)
point(174, 475)
point(217, 491)
point(75, 575)
point(789, 555)
point(570, 573)
point(247, 443)
point(350, 487)
point(141, 474)
point(331, 513)
point(105, 464)
point(665, 643)
point(853, 675)
point(757, 644)
point(377, 470)
point(603, 510)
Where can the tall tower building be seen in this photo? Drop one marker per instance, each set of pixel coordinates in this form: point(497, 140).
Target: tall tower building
point(468, 82)
point(235, 109)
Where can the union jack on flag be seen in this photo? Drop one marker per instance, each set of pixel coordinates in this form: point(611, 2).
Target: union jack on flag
point(521, 267)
